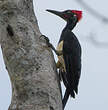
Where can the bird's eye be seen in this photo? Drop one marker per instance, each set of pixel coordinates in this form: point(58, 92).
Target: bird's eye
point(75, 15)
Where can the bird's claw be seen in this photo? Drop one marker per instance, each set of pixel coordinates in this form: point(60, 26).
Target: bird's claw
point(46, 38)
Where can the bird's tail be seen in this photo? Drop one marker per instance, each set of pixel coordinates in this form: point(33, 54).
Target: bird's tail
point(65, 98)
point(63, 76)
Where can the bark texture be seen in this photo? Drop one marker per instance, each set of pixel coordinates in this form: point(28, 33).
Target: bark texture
point(30, 63)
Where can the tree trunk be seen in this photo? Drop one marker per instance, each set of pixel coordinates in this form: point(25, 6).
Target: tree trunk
point(30, 63)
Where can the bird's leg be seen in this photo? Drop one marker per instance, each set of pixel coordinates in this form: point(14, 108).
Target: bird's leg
point(58, 64)
point(51, 46)
point(58, 53)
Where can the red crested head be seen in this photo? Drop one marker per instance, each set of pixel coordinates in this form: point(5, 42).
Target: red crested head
point(78, 14)
point(67, 14)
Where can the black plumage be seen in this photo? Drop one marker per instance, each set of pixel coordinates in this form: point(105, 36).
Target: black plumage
point(71, 56)
point(72, 60)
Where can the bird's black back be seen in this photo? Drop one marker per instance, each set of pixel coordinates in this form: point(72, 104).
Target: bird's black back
point(72, 59)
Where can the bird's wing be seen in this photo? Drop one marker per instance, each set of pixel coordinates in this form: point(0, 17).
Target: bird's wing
point(72, 59)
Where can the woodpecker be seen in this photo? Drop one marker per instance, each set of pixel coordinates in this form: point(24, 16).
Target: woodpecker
point(69, 53)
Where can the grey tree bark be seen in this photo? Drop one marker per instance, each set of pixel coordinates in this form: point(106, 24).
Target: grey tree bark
point(30, 63)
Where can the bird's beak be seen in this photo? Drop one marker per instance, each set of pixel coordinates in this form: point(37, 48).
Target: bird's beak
point(60, 14)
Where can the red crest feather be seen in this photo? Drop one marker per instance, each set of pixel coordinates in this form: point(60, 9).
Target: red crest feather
point(78, 13)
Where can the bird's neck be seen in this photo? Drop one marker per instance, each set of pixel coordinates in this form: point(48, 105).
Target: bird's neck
point(70, 25)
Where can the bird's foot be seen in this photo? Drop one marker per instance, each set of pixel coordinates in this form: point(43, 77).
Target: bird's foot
point(51, 46)
point(47, 40)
